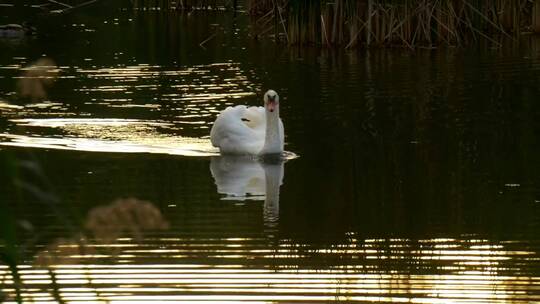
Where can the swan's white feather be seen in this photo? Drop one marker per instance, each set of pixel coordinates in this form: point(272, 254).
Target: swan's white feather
point(241, 130)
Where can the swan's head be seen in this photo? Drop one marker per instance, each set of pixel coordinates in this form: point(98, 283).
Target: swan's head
point(271, 100)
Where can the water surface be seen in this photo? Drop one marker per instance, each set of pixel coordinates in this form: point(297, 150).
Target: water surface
point(417, 178)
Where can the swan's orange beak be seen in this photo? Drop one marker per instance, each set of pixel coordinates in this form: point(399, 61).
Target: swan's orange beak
point(271, 106)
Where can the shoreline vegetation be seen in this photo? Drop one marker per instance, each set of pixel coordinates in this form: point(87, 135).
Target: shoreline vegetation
point(406, 23)
point(377, 23)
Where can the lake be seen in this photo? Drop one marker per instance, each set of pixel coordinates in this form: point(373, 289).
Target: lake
point(414, 176)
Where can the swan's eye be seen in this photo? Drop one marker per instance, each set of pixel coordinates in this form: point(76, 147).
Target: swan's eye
point(245, 119)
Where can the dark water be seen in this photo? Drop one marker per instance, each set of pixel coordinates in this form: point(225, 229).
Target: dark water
point(417, 177)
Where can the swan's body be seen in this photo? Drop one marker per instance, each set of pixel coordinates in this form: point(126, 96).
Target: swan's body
point(250, 130)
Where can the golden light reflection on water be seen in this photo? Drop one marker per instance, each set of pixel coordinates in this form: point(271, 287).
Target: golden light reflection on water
point(410, 275)
point(179, 105)
point(165, 145)
point(109, 135)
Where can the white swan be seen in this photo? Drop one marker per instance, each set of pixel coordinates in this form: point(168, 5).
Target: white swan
point(250, 130)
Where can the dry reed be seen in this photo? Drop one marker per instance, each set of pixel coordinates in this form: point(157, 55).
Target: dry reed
point(409, 23)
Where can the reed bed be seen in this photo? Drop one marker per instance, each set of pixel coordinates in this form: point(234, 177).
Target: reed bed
point(409, 23)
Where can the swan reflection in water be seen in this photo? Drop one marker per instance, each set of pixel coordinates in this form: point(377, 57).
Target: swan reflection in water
point(243, 178)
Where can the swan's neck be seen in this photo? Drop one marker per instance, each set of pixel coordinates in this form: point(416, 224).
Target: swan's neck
point(273, 140)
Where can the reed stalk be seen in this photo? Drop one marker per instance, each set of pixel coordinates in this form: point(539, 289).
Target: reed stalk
point(536, 17)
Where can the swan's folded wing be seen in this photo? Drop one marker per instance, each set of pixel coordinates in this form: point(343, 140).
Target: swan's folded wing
point(239, 130)
point(254, 117)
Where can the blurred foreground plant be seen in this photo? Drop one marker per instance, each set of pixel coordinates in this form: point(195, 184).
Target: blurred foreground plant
point(104, 225)
point(36, 78)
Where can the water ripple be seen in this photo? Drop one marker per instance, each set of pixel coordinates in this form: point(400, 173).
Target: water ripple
point(182, 269)
point(162, 110)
